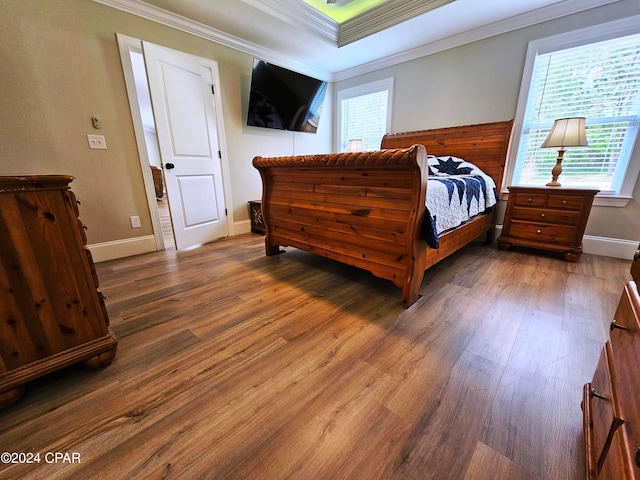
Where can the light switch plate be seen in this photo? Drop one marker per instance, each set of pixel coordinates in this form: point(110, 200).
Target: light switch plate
point(97, 142)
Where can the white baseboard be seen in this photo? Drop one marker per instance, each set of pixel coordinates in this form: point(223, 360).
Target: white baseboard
point(242, 226)
point(610, 247)
point(101, 252)
point(607, 247)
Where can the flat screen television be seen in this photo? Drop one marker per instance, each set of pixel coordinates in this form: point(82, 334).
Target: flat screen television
point(283, 99)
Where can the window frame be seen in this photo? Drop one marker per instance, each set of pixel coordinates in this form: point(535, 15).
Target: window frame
point(575, 38)
point(357, 91)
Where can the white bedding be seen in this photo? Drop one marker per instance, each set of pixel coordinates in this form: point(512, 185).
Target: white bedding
point(456, 191)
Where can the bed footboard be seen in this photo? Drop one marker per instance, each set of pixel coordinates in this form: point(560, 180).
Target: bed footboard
point(364, 209)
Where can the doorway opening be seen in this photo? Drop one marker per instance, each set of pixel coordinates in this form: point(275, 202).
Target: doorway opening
point(151, 143)
point(175, 107)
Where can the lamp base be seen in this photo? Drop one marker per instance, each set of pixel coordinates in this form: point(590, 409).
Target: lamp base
point(557, 170)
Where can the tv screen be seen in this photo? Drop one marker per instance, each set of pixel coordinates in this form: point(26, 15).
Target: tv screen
point(283, 99)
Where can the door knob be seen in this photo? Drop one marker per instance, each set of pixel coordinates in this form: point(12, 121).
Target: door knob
point(169, 166)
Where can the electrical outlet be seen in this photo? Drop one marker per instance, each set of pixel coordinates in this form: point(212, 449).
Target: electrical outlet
point(135, 221)
point(97, 142)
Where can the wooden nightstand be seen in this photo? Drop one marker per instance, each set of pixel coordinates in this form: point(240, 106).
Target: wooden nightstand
point(550, 218)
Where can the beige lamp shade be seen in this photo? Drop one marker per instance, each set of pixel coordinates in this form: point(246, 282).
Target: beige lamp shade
point(567, 133)
point(355, 145)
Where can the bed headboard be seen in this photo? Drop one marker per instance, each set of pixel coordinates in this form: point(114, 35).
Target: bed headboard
point(484, 145)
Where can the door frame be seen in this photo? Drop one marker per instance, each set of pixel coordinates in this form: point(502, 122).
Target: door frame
point(128, 44)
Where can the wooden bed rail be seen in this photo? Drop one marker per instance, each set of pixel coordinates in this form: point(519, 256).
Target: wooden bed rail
point(364, 209)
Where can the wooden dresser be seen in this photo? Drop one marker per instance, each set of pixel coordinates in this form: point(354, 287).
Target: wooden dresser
point(52, 313)
point(611, 401)
point(547, 217)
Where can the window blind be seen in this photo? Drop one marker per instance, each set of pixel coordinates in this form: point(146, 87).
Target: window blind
point(364, 117)
point(599, 81)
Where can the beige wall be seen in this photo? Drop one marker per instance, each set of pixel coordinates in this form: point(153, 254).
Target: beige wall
point(480, 82)
point(60, 65)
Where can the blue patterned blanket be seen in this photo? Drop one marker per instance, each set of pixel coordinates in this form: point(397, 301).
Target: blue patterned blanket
point(456, 191)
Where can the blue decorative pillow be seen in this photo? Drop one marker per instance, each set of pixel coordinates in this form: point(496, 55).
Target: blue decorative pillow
point(432, 163)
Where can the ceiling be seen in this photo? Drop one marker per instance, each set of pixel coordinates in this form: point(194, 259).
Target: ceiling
point(342, 10)
point(299, 34)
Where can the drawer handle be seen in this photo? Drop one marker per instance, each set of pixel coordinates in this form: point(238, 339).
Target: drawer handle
point(615, 325)
point(538, 231)
point(529, 199)
point(564, 202)
point(542, 215)
point(593, 393)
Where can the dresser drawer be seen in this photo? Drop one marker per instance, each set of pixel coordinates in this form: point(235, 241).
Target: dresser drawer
point(611, 410)
point(615, 464)
point(626, 316)
point(541, 232)
point(625, 354)
point(605, 408)
point(545, 216)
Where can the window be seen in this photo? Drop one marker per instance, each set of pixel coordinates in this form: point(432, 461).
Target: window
point(592, 73)
point(364, 112)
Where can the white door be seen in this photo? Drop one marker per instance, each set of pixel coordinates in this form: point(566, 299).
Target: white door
point(184, 112)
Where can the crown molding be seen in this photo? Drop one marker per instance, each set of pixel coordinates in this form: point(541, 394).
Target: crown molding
point(382, 17)
point(371, 21)
point(163, 17)
point(295, 13)
point(544, 14)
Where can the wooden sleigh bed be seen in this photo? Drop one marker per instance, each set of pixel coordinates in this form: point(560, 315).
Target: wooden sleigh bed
point(366, 209)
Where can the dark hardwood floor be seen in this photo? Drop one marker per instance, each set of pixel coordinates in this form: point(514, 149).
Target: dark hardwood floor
point(234, 365)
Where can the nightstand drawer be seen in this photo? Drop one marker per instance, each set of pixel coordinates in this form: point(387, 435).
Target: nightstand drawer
point(546, 216)
point(530, 200)
point(565, 202)
point(547, 233)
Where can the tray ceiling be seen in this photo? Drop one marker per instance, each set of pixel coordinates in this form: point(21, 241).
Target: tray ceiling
point(298, 34)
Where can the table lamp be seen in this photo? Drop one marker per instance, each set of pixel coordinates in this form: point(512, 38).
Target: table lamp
point(565, 133)
point(355, 145)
